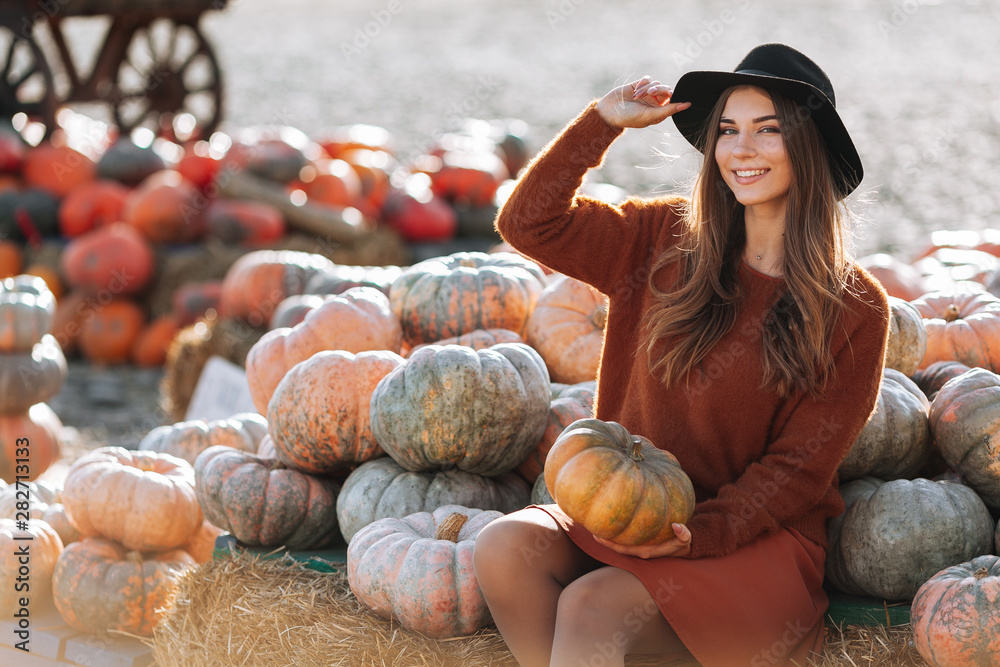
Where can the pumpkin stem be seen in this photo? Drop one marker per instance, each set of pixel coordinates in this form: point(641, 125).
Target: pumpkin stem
point(981, 573)
point(951, 313)
point(600, 317)
point(451, 527)
point(636, 452)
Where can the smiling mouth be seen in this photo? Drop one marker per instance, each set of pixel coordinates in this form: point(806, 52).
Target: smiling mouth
point(749, 173)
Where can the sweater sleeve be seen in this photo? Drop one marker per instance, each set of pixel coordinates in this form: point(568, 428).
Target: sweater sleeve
point(590, 240)
point(800, 464)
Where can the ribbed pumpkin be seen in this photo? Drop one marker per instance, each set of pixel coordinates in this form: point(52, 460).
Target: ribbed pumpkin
point(965, 421)
point(44, 547)
point(108, 334)
point(109, 261)
point(480, 339)
point(448, 296)
point(896, 535)
point(955, 616)
point(262, 502)
point(246, 223)
point(418, 570)
point(94, 204)
point(569, 403)
point(143, 500)
point(481, 411)
point(961, 326)
point(898, 278)
point(41, 428)
point(258, 281)
point(166, 208)
point(45, 503)
point(32, 377)
point(617, 485)
point(318, 416)
point(27, 308)
point(188, 439)
point(896, 440)
point(356, 321)
point(931, 379)
point(99, 586)
point(907, 337)
point(381, 488)
point(567, 329)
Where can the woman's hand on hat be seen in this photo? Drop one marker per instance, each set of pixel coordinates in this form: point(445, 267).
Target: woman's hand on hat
point(641, 103)
point(678, 546)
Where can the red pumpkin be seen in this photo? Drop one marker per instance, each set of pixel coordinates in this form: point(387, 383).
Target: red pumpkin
point(330, 182)
point(11, 258)
point(335, 141)
point(417, 214)
point(355, 321)
point(114, 259)
point(955, 616)
point(418, 570)
point(466, 177)
point(200, 164)
point(99, 586)
point(262, 502)
point(166, 208)
point(143, 500)
point(567, 328)
point(373, 168)
point(318, 417)
point(149, 349)
point(449, 296)
point(258, 281)
point(57, 169)
point(91, 205)
point(961, 326)
point(108, 335)
point(245, 223)
point(40, 428)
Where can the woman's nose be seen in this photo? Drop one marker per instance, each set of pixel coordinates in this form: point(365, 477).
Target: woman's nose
point(745, 146)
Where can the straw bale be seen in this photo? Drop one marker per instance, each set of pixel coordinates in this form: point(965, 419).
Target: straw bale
point(381, 246)
point(189, 351)
point(869, 646)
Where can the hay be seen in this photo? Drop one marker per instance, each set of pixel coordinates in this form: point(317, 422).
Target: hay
point(189, 351)
point(194, 263)
point(379, 247)
point(247, 610)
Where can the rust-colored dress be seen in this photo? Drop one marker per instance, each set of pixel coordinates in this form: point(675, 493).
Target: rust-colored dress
point(763, 466)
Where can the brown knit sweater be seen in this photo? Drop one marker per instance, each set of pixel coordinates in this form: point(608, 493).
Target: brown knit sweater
point(758, 461)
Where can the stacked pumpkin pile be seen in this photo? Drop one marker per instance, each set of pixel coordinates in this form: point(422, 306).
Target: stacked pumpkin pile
point(114, 223)
point(32, 370)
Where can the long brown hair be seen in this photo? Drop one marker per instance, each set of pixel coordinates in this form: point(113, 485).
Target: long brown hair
point(703, 303)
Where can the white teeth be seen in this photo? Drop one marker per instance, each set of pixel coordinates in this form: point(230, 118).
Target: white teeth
point(748, 173)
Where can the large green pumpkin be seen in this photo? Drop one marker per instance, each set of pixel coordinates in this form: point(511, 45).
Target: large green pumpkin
point(896, 440)
point(907, 337)
point(896, 535)
point(449, 296)
point(381, 488)
point(261, 502)
point(481, 411)
point(965, 421)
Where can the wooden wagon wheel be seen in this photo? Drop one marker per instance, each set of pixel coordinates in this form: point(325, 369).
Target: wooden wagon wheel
point(168, 81)
point(25, 79)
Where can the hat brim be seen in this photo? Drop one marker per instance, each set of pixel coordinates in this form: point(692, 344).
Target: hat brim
point(703, 89)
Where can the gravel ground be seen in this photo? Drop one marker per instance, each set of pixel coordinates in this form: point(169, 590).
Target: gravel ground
point(916, 86)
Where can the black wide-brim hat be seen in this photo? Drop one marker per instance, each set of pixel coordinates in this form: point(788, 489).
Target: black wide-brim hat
point(788, 72)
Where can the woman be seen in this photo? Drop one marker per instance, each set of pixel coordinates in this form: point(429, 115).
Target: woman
point(740, 337)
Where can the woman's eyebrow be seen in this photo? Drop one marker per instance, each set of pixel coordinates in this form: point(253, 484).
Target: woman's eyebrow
point(755, 120)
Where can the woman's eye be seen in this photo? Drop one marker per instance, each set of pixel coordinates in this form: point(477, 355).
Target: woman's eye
point(771, 129)
point(727, 130)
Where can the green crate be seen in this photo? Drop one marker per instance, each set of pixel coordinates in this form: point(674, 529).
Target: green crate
point(331, 560)
point(852, 610)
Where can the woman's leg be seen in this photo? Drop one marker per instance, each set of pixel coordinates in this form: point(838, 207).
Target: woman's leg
point(523, 562)
point(608, 613)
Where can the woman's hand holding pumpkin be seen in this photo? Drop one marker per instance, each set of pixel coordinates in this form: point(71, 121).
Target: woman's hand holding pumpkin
point(638, 104)
point(677, 547)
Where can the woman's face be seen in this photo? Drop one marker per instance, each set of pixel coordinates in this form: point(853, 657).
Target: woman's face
point(750, 150)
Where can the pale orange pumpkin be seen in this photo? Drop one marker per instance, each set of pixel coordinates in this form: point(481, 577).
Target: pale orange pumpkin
point(201, 546)
point(318, 417)
point(567, 329)
point(355, 321)
point(99, 586)
point(36, 432)
point(188, 439)
point(44, 546)
point(617, 485)
point(961, 326)
point(143, 500)
point(480, 339)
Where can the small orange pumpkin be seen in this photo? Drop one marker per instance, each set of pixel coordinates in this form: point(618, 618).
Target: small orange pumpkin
point(149, 349)
point(34, 434)
point(166, 208)
point(108, 335)
point(567, 329)
point(92, 205)
point(44, 547)
point(115, 259)
point(143, 500)
point(617, 485)
point(11, 258)
point(330, 182)
point(961, 326)
point(57, 169)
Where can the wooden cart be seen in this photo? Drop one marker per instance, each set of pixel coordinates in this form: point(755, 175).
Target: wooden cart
point(153, 68)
